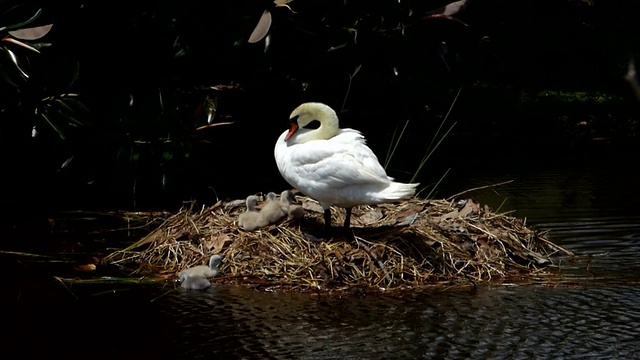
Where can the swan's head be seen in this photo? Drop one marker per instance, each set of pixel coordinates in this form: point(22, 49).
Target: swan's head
point(312, 121)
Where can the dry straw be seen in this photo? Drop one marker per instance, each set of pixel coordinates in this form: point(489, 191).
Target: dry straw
point(391, 246)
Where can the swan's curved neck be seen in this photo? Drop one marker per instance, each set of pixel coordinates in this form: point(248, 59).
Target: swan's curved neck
point(329, 127)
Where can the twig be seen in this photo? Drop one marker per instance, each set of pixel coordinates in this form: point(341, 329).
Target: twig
point(65, 286)
point(478, 188)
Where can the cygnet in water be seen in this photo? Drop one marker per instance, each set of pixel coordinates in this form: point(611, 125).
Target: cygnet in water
point(206, 271)
point(194, 282)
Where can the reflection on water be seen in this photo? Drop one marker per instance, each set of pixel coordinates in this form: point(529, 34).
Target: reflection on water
point(593, 313)
point(591, 208)
point(230, 322)
point(494, 322)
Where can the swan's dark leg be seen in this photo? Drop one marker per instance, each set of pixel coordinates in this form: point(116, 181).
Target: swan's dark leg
point(347, 219)
point(327, 219)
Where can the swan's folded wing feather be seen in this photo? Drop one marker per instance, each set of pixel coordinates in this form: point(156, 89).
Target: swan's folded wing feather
point(337, 164)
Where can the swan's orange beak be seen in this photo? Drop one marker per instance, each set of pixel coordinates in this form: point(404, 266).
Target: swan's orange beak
point(292, 129)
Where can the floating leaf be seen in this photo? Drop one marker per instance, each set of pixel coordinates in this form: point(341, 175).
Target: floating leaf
point(85, 267)
point(262, 28)
point(32, 33)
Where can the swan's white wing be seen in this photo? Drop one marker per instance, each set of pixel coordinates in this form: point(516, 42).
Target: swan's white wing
point(361, 152)
point(336, 163)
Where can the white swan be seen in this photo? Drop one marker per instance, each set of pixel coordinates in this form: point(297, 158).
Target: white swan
point(251, 219)
point(206, 271)
point(333, 165)
point(272, 211)
point(194, 282)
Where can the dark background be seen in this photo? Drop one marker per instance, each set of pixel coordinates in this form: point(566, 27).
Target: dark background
point(539, 79)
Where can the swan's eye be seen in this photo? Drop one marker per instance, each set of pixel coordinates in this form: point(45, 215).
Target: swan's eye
point(312, 125)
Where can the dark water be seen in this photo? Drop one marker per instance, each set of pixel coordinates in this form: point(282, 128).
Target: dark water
point(593, 311)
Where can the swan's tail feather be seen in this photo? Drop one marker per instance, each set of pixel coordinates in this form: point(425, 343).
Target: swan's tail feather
point(398, 191)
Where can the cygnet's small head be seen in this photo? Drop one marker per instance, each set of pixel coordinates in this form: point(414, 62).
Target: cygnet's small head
point(215, 261)
point(251, 202)
point(271, 196)
point(313, 116)
point(287, 197)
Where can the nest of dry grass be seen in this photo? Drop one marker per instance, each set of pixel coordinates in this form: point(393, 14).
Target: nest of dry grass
point(391, 246)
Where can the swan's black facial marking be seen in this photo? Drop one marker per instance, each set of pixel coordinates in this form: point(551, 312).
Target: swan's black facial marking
point(312, 125)
point(294, 119)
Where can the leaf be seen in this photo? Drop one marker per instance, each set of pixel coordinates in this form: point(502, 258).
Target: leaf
point(407, 220)
point(469, 208)
point(32, 33)
point(9, 78)
point(283, 3)
point(409, 211)
point(53, 125)
point(262, 28)
point(20, 43)
point(449, 216)
point(23, 23)
point(210, 108)
point(370, 217)
point(66, 163)
point(85, 267)
point(217, 244)
point(450, 9)
point(14, 59)
point(313, 206)
point(454, 7)
point(213, 125)
point(267, 43)
point(72, 110)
